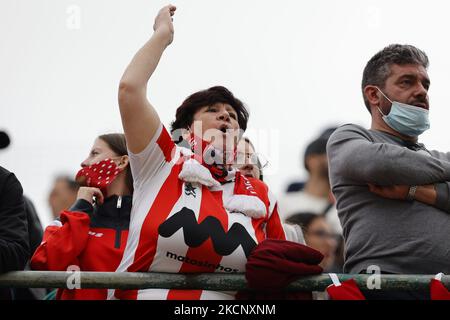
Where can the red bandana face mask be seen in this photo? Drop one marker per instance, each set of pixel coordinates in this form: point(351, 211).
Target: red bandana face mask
point(211, 157)
point(209, 154)
point(99, 175)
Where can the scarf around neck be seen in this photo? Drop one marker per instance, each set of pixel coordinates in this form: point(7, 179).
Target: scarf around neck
point(195, 169)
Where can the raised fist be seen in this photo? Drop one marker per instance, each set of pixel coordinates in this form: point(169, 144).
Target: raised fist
point(163, 22)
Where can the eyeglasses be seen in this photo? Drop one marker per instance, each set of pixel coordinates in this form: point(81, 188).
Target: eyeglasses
point(256, 159)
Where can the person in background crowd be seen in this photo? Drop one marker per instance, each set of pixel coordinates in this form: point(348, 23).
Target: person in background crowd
point(315, 196)
point(392, 193)
point(318, 235)
point(91, 235)
point(63, 194)
point(248, 162)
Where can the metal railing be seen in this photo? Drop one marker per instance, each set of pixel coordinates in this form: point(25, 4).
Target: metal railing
point(206, 281)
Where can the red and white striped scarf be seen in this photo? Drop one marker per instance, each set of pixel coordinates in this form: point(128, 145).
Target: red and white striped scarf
point(199, 167)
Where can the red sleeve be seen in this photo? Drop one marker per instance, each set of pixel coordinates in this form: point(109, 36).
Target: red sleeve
point(166, 144)
point(146, 164)
point(62, 245)
point(274, 228)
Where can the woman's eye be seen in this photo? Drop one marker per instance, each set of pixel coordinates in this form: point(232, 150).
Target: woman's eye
point(234, 116)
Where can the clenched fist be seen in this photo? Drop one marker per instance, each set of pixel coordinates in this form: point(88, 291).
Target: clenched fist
point(163, 22)
point(88, 194)
point(390, 192)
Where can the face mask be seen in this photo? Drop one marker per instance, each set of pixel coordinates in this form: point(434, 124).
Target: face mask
point(99, 175)
point(406, 119)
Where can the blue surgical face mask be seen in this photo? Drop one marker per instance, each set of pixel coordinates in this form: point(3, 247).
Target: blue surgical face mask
point(406, 119)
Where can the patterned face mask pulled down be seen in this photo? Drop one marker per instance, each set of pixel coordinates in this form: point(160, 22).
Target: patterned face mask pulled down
point(201, 167)
point(406, 119)
point(209, 154)
point(99, 175)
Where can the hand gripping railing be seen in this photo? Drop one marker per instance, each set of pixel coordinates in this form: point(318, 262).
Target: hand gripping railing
point(206, 281)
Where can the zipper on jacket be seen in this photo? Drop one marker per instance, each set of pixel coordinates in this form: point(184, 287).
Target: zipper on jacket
point(119, 202)
point(118, 230)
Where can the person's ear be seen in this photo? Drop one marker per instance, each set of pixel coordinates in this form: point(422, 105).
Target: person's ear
point(311, 162)
point(123, 163)
point(373, 96)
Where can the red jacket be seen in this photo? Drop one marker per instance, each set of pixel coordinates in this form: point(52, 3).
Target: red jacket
point(92, 239)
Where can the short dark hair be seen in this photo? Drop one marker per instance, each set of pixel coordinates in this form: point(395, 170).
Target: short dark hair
point(184, 116)
point(318, 146)
point(378, 70)
point(118, 144)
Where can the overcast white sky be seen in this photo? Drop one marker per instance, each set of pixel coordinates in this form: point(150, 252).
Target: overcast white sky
point(296, 64)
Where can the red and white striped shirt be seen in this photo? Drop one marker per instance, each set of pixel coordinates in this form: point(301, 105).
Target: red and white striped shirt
point(180, 227)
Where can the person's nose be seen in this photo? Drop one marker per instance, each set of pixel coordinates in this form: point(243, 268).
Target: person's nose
point(85, 163)
point(332, 243)
point(224, 116)
point(421, 93)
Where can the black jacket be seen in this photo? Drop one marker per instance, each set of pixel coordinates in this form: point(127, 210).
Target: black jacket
point(14, 243)
point(113, 214)
point(35, 230)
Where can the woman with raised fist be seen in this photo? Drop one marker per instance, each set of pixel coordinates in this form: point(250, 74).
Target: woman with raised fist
point(193, 212)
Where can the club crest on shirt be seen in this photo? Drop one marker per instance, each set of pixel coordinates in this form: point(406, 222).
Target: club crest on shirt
point(189, 190)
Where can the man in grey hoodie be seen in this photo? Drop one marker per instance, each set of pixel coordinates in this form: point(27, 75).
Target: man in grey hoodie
point(392, 193)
